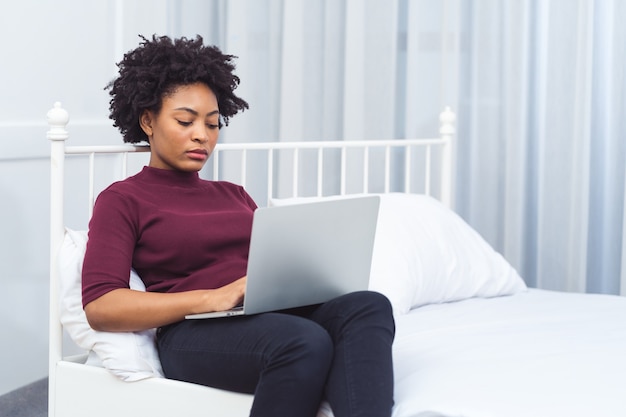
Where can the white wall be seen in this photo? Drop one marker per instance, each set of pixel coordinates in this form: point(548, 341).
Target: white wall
point(55, 50)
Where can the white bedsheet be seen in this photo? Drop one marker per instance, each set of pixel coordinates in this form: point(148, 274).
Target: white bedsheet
point(538, 353)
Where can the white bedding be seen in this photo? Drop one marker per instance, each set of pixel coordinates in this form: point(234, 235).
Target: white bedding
point(536, 353)
point(471, 339)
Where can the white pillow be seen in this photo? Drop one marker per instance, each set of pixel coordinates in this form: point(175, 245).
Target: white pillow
point(130, 356)
point(424, 253)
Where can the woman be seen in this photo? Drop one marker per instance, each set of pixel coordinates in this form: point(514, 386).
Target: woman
point(188, 239)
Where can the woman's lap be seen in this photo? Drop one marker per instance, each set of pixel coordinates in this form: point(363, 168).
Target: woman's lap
point(294, 358)
point(230, 353)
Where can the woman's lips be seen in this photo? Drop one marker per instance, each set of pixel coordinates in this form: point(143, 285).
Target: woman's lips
point(199, 154)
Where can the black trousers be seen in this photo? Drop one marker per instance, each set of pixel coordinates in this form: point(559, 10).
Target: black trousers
point(292, 360)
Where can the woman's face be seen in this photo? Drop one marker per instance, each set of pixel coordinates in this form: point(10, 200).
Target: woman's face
point(184, 133)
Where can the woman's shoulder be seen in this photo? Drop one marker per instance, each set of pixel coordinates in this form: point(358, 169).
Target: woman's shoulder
point(234, 191)
point(125, 186)
point(131, 191)
point(223, 185)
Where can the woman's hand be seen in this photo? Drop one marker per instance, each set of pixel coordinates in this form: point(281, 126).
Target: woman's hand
point(223, 298)
point(125, 310)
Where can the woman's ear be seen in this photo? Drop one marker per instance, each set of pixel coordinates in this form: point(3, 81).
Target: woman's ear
point(145, 121)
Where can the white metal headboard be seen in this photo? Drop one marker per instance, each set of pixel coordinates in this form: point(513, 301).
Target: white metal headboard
point(271, 152)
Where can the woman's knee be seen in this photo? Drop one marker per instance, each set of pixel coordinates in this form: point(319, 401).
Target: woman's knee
point(376, 300)
point(309, 339)
point(369, 302)
point(364, 310)
point(306, 348)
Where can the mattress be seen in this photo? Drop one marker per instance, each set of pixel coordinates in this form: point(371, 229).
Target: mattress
point(536, 353)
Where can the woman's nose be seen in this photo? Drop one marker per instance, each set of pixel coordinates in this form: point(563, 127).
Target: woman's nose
point(200, 135)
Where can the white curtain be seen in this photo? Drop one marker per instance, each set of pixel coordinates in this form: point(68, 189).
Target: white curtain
point(538, 87)
point(542, 135)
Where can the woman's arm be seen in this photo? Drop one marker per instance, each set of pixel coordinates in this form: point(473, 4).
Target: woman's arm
point(124, 309)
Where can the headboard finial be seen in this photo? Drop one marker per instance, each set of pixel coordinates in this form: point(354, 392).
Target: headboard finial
point(447, 120)
point(57, 118)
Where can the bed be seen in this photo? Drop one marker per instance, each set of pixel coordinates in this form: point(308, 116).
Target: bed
point(472, 340)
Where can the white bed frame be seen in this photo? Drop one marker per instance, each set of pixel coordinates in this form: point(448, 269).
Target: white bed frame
point(78, 390)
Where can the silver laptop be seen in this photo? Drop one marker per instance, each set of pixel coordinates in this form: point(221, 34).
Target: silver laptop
point(308, 253)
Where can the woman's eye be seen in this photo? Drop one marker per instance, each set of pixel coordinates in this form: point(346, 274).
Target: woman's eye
point(212, 126)
point(183, 123)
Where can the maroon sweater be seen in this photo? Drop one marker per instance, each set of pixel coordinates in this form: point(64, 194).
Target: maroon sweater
point(178, 231)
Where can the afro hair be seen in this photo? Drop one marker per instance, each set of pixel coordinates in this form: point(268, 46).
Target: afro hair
point(156, 68)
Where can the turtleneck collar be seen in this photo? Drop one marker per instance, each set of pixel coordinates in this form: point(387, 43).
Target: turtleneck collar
point(170, 177)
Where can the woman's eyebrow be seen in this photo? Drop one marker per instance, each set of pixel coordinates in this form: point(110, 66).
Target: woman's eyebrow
point(195, 113)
